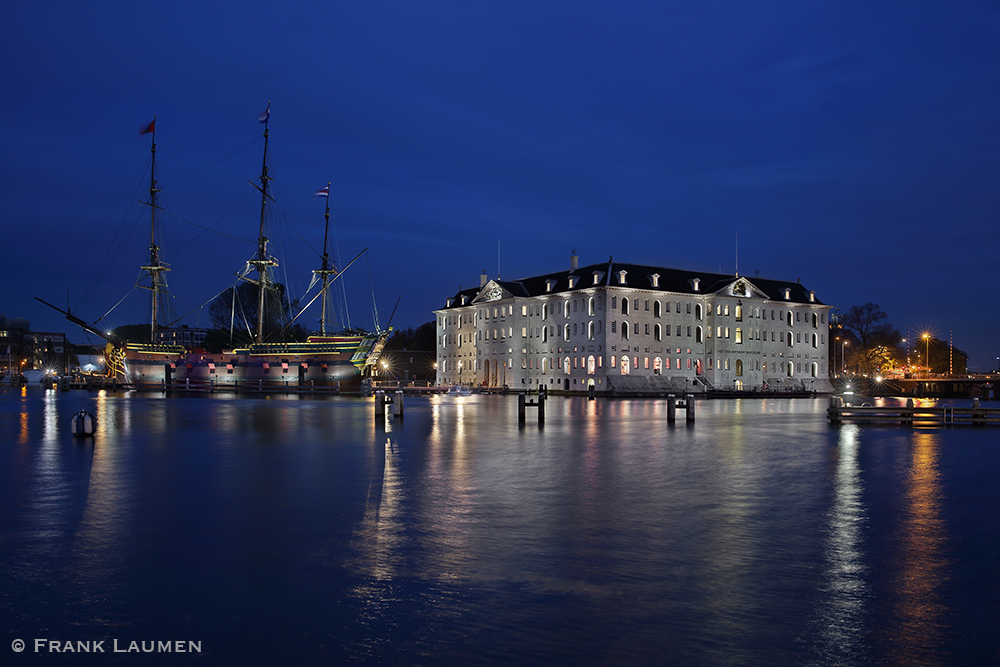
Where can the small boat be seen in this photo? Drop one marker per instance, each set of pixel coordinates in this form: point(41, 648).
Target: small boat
point(459, 390)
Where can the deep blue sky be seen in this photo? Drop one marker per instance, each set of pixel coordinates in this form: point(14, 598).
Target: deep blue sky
point(854, 146)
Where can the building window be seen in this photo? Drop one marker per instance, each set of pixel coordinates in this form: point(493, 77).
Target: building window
point(590, 331)
point(697, 312)
point(647, 328)
point(614, 325)
point(624, 330)
point(739, 367)
point(657, 366)
point(656, 309)
point(698, 335)
point(739, 312)
point(739, 336)
point(624, 306)
point(590, 306)
point(591, 365)
point(625, 366)
point(657, 332)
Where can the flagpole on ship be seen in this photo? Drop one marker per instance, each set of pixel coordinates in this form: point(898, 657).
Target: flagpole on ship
point(155, 268)
point(263, 262)
point(327, 270)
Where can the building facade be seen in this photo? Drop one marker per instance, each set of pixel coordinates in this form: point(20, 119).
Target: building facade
point(634, 328)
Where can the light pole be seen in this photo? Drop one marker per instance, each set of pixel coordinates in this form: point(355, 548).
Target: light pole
point(843, 362)
point(927, 338)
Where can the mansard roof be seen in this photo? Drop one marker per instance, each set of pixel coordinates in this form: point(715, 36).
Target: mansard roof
point(642, 277)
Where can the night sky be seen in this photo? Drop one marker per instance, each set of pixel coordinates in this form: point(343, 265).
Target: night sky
point(853, 146)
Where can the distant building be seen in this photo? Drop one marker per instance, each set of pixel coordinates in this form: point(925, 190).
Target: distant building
point(182, 335)
point(406, 366)
point(635, 328)
point(22, 349)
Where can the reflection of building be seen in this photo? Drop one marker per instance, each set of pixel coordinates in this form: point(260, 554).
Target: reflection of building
point(31, 350)
point(182, 335)
point(635, 329)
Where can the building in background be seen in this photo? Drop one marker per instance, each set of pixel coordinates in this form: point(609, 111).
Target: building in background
point(629, 328)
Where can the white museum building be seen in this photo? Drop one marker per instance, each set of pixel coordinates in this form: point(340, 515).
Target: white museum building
point(628, 328)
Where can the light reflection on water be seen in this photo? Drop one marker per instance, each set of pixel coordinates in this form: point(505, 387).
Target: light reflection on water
point(758, 534)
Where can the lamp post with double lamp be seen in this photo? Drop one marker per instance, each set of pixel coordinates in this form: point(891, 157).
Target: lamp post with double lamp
point(843, 362)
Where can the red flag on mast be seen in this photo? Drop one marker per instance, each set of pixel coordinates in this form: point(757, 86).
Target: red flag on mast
point(146, 129)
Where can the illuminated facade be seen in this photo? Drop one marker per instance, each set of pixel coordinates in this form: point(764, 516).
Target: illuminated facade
point(635, 329)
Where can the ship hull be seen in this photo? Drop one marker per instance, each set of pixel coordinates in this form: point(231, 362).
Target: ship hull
point(337, 362)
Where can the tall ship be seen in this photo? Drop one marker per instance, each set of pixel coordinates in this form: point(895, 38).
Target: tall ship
point(334, 360)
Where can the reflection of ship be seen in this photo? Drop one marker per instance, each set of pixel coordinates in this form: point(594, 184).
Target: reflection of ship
point(340, 360)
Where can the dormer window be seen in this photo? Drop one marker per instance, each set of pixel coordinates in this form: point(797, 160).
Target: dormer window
point(549, 284)
point(694, 284)
point(655, 279)
point(788, 293)
point(448, 304)
point(572, 281)
point(597, 277)
point(463, 299)
point(812, 296)
point(621, 277)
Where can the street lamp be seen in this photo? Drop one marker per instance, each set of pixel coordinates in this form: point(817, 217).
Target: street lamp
point(843, 362)
point(927, 337)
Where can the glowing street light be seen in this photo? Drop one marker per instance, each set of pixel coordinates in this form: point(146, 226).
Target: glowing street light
point(843, 362)
point(927, 338)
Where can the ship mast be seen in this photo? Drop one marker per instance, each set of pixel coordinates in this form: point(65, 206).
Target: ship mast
point(157, 282)
point(327, 270)
point(263, 262)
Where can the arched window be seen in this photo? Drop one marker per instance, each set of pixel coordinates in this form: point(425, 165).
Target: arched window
point(815, 340)
point(739, 335)
point(545, 334)
point(566, 309)
point(590, 331)
point(566, 365)
point(791, 369)
point(657, 366)
point(739, 312)
point(739, 367)
point(790, 337)
point(656, 309)
point(697, 335)
point(624, 306)
point(590, 306)
point(625, 365)
point(697, 312)
point(624, 330)
point(566, 332)
point(591, 365)
point(657, 332)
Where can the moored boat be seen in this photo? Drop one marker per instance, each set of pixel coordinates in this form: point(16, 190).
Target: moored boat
point(326, 360)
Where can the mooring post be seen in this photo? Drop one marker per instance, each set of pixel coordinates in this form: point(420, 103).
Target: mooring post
point(541, 407)
point(908, 413)
point(397, 404)
point(689, 407)
point(520, 408)
point(671, 408)
point(379, 404)
point(833, 412)
point(591, 392)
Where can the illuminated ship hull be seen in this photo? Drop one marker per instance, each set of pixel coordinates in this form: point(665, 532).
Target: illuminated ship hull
point(322, 361)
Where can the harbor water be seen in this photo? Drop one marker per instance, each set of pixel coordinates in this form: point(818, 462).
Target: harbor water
point(308, 531)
